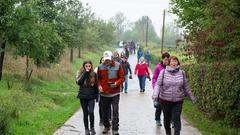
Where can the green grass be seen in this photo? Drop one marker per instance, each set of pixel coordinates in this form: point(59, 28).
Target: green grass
point(204, 124)
point(45, 106)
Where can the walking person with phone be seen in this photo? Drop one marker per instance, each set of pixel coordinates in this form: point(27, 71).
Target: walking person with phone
point(110, 77)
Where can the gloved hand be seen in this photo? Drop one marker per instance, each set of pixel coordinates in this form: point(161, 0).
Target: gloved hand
point(130, 76)
point(149, 78)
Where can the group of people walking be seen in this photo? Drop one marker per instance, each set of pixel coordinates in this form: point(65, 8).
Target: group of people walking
point(105, 84)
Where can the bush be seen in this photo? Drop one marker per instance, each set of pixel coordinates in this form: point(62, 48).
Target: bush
point(217, 87)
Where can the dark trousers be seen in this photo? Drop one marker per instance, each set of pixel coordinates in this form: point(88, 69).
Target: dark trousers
point(107, 103)
point(88, 111)
point(101, 111)
point(142, 81)
point(158, 113)
point(172, 111)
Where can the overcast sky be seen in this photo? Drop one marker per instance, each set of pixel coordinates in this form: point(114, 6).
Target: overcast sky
point(132, 9)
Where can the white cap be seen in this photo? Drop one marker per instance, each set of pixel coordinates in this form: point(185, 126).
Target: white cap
point(107, 55)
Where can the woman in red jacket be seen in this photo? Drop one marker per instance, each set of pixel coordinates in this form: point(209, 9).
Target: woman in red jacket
point(141, 70)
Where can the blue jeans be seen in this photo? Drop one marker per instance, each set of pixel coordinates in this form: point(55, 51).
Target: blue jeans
point(172, 111)
point(142, 81)
point(126, 83)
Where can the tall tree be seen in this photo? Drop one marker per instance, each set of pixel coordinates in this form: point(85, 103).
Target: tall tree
point(212, 36)
point(6, 12)
point(137, 32)
point(120, 23)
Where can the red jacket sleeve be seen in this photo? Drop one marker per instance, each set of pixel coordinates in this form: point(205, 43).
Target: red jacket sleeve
point(135, 70)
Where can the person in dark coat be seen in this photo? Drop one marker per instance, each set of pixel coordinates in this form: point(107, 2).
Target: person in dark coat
point(126, 67)
point(88, 91)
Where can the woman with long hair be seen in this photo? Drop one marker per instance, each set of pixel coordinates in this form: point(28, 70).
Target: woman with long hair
point(88, 92)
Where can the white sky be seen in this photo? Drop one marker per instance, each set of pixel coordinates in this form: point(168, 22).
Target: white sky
point(132, 9)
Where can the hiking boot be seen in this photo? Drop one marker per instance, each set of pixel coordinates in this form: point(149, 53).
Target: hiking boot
point(87, 132)
point(115, 132)
point(93, 132)
point(105, 130)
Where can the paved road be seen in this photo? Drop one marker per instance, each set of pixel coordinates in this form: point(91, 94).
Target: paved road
point(136, 114)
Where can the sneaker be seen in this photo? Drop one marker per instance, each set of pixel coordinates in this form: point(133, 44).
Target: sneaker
point(172, 124)
point(87, 132)
point(100, 123)
point(125, 91)
point(93, 132)
point(143, 90)
point(105, 130)
point(158, 123)
point(115, 132)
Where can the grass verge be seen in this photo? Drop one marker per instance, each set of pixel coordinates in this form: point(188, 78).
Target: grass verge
point(205, 125)
point(42, 106)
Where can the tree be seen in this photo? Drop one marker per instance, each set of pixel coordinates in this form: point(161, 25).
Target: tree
point(212, 36)
point(171, 35)
point(71, 24)
point(7, 10)
point(137, 32)
point(120, 23)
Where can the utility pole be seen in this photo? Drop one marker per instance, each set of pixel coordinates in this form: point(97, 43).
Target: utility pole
point(163, 31)
point(147, 31)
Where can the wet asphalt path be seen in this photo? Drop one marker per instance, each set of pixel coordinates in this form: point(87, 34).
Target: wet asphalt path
point(136, 114)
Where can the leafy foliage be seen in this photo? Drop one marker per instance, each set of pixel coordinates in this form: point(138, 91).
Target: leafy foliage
point(210, 36)
point(217, 89)
point(42, 29)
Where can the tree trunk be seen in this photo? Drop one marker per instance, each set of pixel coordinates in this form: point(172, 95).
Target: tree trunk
point(3, 46)
point(27, 67)
point(71, 55)
point(79, 52)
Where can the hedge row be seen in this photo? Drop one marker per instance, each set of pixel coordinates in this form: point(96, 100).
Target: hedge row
point(217, 88)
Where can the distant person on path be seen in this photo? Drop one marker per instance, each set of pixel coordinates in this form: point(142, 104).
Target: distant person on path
point(141, 70)
point(134, 47)
point(147, 57)
point(126, 67)
point(110, 77)
point(116, 57)
point(171, 88)
point(126, 51)
point(88, 92)
point(139, 53)
point(160, 66)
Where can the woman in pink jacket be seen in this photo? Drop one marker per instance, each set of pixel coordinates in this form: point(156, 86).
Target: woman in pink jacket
point(141, 70)
point(160, 66)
